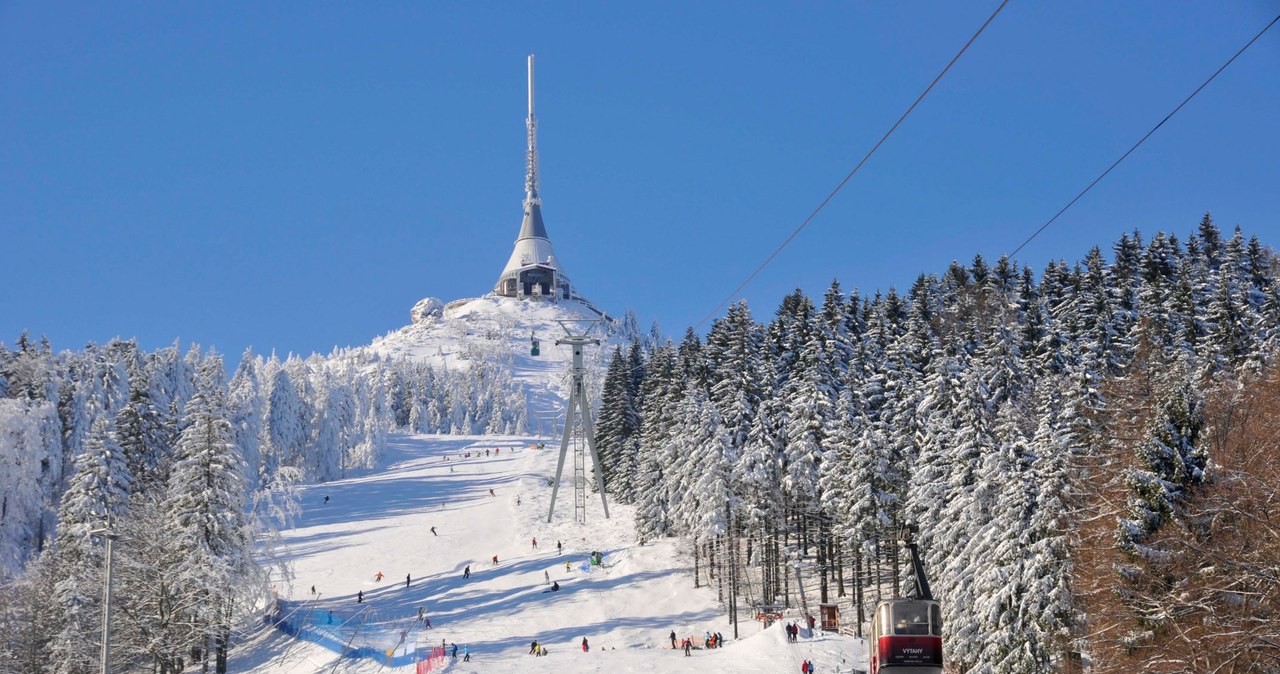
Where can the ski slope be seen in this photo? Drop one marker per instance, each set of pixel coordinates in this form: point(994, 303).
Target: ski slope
point(381, 521)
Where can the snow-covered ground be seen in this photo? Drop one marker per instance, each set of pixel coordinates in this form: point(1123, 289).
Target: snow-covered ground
point(382, 521)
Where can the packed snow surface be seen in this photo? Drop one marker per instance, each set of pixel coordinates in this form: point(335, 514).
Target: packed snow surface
point(381, 522)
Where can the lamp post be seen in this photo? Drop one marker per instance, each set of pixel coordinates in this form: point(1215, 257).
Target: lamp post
point(110, 535)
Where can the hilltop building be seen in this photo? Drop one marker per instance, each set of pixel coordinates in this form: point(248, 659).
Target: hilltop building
point(533, 271)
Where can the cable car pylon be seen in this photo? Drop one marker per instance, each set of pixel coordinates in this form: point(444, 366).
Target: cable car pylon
point(578, 411)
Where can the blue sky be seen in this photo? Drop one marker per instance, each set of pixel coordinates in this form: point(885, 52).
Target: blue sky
point(294, 176)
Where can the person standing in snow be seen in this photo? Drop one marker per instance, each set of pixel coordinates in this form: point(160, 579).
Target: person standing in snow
point(688, 647)
point(673, 640)
point(360, 597)
point(535, 543)
point(491, 493)
point(454, 655)
point(546, 575)
point(466, 653)
point(466, 573)
point(495, 560)
point(804, 667)
point(533, 648)
point(378, 576)
point(585, 648)
point(406, 580)
point(559, 548)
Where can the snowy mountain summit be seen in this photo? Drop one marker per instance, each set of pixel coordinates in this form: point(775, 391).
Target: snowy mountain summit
point(502, 331)
point(532, 304)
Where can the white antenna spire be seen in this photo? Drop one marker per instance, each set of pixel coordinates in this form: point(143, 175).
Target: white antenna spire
point(530, 85)
point(531, 159)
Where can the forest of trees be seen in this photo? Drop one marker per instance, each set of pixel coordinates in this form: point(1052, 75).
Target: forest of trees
point(193, 472)
point(1087, 454)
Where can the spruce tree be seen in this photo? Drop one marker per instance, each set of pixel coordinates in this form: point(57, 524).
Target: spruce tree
point(215, 575)
point(96, 498)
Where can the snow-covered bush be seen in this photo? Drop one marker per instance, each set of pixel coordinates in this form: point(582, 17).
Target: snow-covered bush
point(427, 310)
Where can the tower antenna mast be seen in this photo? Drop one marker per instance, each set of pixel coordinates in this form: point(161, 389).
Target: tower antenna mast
point(531, 158)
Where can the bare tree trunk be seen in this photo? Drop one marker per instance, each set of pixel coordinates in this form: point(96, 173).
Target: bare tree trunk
point(695, 565)
point(858, 599)
point(716, 559)
point(841, 592)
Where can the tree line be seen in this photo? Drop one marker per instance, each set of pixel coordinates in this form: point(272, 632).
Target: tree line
point(1046, 433)
point(193, 472)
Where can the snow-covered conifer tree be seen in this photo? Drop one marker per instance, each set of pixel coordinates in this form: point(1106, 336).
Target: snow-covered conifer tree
point(215, 574)
point(97, 496)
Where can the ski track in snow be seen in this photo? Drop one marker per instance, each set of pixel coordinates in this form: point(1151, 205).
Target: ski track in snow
point(381, 520)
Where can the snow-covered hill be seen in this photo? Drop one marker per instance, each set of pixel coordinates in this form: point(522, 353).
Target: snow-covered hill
point(382, 522)
point(499, 329)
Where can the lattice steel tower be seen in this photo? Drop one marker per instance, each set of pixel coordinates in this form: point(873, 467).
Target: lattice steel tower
point(578, 426)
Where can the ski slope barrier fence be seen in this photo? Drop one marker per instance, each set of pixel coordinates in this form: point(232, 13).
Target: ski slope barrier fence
point(350, 634)
point(432, 661)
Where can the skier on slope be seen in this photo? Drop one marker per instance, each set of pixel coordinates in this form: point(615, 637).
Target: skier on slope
point(466, 573)
point(585, 648)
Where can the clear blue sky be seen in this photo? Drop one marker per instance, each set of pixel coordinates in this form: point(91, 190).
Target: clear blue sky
point(294, 176)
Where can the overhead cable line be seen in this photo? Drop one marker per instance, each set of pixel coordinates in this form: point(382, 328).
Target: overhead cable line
point(872, 151)
point(1144, 138)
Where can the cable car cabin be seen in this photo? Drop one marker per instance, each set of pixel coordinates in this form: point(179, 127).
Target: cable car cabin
point(906, 637)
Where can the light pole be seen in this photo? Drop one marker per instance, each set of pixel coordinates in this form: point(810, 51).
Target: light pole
point(110, 535)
